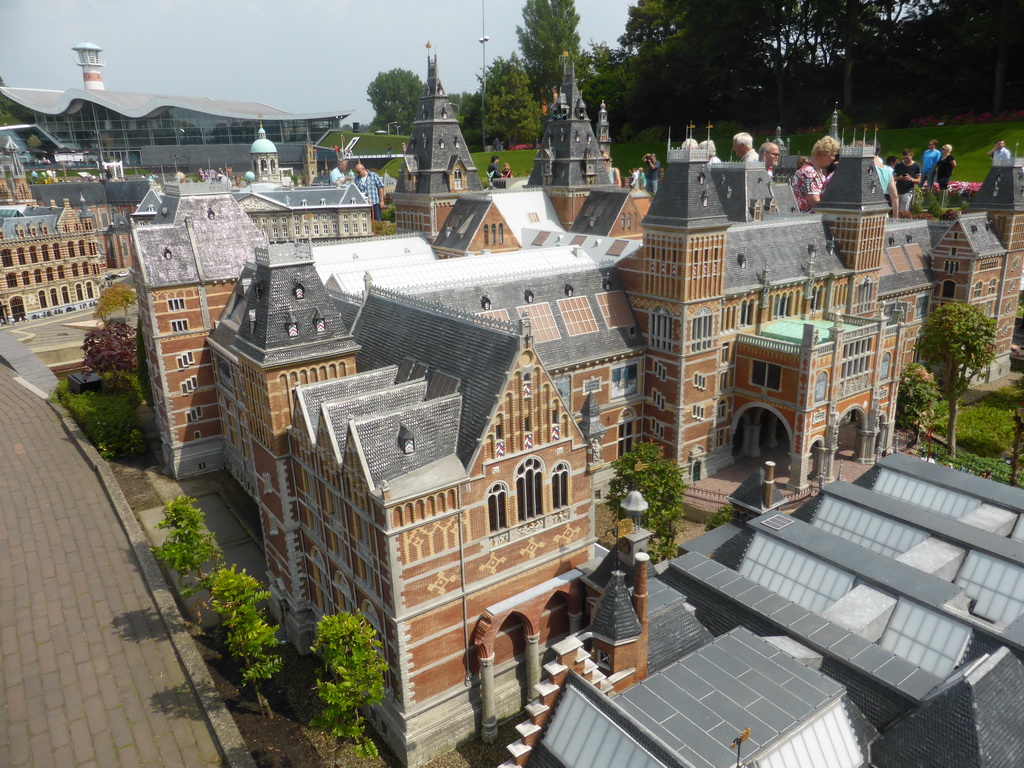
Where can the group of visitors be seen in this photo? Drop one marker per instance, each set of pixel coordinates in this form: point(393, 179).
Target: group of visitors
point(367, 182)
point(494, 171)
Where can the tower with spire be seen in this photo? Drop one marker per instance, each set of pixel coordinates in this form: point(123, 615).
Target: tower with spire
point(568, 165)
point(436, 166)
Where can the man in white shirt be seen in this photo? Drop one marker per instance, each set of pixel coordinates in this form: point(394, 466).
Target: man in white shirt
point(743, 146)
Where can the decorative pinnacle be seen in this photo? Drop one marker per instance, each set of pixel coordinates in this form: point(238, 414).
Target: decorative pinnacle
point(428, 44)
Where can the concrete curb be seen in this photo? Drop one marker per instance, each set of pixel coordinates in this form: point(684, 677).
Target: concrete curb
point(225, 733)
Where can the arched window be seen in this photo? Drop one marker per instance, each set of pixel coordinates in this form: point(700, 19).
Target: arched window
point(501, 234)
point(487, 235)
point(38, 275)
point(627, 431)
point(529, 489)
point(497, 507)
point(883, 371)
point(977, 290)
point(948, 289)
point(820, 387)
point(560, 486)
point(42, 299)
point(12, 280)
point(662, 329)
point(88, 290)
point(702, 330)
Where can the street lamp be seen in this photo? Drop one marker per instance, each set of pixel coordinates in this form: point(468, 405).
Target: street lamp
point(396, 128)
point(483, 70)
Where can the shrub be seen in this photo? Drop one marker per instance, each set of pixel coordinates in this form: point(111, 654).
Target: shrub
point(997, 469)
point(719, 518)
point(108, 420)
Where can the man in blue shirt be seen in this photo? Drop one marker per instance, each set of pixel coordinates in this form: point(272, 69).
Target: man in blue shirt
point(929, 161)
point(341, 175)
point(370, 185)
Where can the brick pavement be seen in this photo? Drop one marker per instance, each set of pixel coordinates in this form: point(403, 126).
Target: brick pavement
point(89, 677)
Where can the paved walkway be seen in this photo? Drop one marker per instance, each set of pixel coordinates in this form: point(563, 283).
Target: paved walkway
point(88, 676)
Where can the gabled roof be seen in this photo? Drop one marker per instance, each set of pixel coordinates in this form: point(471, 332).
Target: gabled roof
point(904, 264)
point(393, 329)
point(222, 238)
point(979, 233)
point(462, 224)
point(600, 211)
point(309, 398)
point(615, 620)
point(1003, 188)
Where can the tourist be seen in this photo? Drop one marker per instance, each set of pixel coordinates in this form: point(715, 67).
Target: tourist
point(613, 173)
point(341, 175)
point(928, 161)
point(769, 155)
point(743, 146)
point(908, 175)
point(887, 185)
point(506, 171)
point(944, 168)
point(713, 157)
point(809, 180)
point(370, 185)
point(634, 178)
point(652, 170)
point(999, 151)
point(493, 171)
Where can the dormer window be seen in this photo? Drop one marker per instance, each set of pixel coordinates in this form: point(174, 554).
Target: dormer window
point(892, 240)
point(444, 113)
point(830, 247)
point(252, 320)
point(528, 295)
point(323, 201)
point(318, 322)
point(406, 440)
point(741, 259)
point(304, 202)
point(812, 249)
point(300, 292)
point(210, 213)
point(701, 178)
point(456, 142)
point(440, 143)
point(485, 301)
point(568, 289)
point(606, 283)
point(167, 253)
point(910, 238)
point(703, 199)
point(292, 326)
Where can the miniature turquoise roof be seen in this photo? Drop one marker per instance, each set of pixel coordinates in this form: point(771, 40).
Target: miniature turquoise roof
point(262, 145)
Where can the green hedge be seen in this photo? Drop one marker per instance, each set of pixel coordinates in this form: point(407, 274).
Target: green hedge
point(998, 469)
point(109, 421)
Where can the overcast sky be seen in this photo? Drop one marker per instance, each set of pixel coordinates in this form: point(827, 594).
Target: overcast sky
point(300, 56)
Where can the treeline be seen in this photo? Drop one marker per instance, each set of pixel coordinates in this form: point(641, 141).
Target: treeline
point(791, 62)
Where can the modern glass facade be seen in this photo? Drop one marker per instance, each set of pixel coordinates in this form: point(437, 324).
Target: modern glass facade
point(95, 126)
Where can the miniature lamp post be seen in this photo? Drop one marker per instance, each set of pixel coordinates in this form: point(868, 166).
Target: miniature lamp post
point(483, 73)
point(634, 505)
point(737, 744)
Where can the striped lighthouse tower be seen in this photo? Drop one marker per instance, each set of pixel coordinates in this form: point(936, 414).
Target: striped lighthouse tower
point(89, 61)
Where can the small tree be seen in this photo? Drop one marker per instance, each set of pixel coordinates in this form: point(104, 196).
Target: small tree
point(915, 408)
point(189, 549)
point(645, 469)
point(112, 299)
point(351, 654)
point(958, 341)
point(250, 639)
point(111, 350)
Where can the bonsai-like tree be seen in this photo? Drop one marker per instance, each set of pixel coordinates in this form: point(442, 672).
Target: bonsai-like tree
point(114, 298)
point(958, 341)
point(355, 678)
point(250, 640)
point(645, 469)
point(189, 549)
point(111, 350)
point(915, 407)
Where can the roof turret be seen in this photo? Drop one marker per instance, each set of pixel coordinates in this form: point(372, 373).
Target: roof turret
point(262, 145)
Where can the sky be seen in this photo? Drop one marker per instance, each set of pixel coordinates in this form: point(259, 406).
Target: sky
point(300, 56)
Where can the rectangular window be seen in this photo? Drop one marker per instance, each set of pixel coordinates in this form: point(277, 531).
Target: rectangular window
point(856, 357)
point(766, 375)
point(658, 399)
point(952, 266)
point(657, 429)
point(723, 409)
point(921, 307)
point(359, 566)
point(700, 381)
point(698, 412)
point(184, 361)
point(175, 305)
point(195, 414)
point(660, 371)
point(701, 328)
point(662, 330)
point(179, 325)
point(189, 385)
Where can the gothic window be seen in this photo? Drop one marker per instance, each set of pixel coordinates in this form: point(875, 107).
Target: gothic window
point(817, 297)
point(865, 295)
point(883, 371)
point(977, 290)
point(487, 236)
point(948, 289)
point(662, 329)
point(529, 489)
point(747, 312)
point(494, 234)
point(501, 234)
point(560, 486)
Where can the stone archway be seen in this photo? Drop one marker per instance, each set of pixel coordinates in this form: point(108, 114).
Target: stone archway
point(17, 308)
point(857, 436)
point(756, 427)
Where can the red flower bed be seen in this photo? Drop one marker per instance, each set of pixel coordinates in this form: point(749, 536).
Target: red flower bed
point(970, 118)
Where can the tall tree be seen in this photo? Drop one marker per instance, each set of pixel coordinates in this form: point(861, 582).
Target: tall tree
point(355, 678)
point(549, 30)
point(395, 96)
point(958, 341)
point(112, 299)
point(512, 112)
point(644, 468)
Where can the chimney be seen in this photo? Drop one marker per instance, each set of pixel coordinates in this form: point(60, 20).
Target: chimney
point(769, 484)
point(640, 606)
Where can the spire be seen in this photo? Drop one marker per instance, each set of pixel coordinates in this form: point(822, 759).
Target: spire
point(615, 618)
point(834, 129)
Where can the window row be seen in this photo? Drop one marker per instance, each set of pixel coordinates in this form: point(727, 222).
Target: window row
point(529, 497)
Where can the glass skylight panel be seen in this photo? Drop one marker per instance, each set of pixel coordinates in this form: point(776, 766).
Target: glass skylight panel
point(1018, 529)
point(542, 322)
point(495, 314)
point(926, 495)
point(997, 585)
point(808, 582)
point(615, 309)
point(828, 742)
point(925, 637)
point(581, 736)
point(578, 317)
point(867, 529)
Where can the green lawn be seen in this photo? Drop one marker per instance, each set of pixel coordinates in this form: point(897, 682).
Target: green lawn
point(369, 143)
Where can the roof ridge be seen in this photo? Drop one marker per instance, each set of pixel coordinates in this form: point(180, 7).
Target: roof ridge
point(440, 308)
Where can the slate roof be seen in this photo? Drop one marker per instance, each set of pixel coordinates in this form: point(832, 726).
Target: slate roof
point(672, 628)
point(55, 194)
point(273, 304)
point(309, 398)
point(306, 197)
point(742, 186)
point(979, 233)
point(904, 266)
point(33, 216)
point(393, 329)
point(1003, 187)
point(568, 143)
point(749, 494)
point(855, 185)
point(782, 245)
point(374, 395)
point(977, 719)
point(686, 196)
point(433, 425)
point(602, 574)
point(600, 211)
point(615, 619)
point(223, 240)
point(462, 223)
point(436, 143)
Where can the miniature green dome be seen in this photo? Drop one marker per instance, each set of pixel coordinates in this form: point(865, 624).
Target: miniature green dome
point(249, 175)
point(262, 145)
